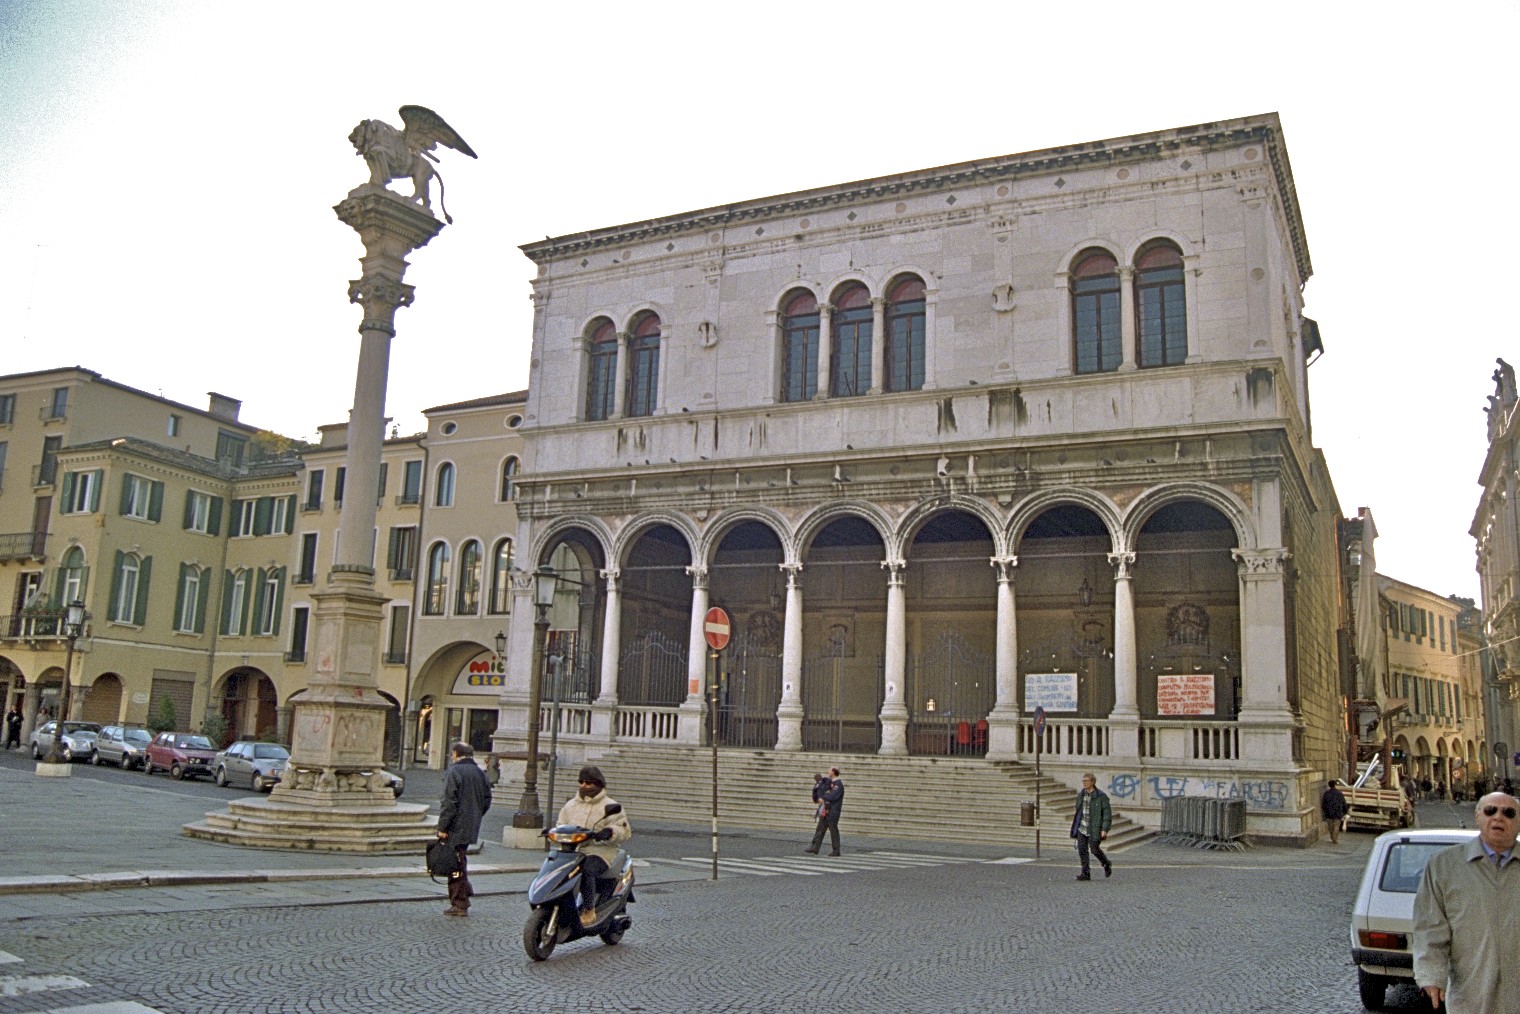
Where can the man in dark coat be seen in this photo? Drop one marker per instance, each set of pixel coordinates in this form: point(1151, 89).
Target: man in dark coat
point(466, 798)
point(830, 796)
point(1332, 806)
point(1090, 825)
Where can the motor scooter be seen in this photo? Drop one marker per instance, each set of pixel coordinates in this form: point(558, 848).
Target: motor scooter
point(556, 918)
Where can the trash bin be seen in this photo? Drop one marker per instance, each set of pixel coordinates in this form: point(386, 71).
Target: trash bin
point(1026, 814)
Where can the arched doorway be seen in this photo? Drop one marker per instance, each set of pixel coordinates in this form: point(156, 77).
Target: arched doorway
point(844, 632)
point(656, 619)
point(746, 580)
point(249, 704)
point(102, 701)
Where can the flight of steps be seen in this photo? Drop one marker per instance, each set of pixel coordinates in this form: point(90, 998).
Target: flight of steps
point(936, 798)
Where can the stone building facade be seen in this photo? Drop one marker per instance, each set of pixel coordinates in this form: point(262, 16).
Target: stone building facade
point(947, 446)
point(1496, 531)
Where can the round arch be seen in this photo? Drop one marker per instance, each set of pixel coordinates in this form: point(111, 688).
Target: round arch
point(1182, 243)
point(921, 513)
point(821, 517)
point(873, 286)
point(718, 528)
point(1225, 502)
point(640, 526)
point(1069, 258)
point(102, 699)
point(593, 529)
point(1063, 496)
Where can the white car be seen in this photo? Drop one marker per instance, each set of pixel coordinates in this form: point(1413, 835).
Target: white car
point(78, 741)
point(1382, 919)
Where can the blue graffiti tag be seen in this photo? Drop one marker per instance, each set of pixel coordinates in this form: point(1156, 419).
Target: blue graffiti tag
point(1167, 786)
point(1125, 786)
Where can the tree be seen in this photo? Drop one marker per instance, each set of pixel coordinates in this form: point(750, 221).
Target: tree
point(164, 719)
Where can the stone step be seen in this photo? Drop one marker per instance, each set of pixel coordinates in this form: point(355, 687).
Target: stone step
point(384, 844)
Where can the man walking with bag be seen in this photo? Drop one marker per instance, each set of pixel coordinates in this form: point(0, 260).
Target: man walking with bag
point(466, 798)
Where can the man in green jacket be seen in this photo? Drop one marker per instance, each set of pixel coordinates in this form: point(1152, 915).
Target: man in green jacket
point(1467, 917)
point(1090, 824)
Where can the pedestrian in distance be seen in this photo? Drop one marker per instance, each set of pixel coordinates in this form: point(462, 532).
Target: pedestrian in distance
point(466, 798)
point(830, 796)
point(1090, 825)
point(589, 808)
point(1332, 807)
point(13, 727)
point(1467, 917)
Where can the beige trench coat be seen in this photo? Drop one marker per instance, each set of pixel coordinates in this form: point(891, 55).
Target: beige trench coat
point(1467, 930)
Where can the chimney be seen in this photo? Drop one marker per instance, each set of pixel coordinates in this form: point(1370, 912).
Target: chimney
point(224, 407)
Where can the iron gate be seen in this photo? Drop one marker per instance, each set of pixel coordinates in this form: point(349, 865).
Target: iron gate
point(749, 692)
point(841, 702)
point(652, 671)
point(951, 688)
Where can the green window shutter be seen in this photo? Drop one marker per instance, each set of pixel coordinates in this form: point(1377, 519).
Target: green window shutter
point(215, 524)
point(384, 472)
point(392, 547)
point(84, 584)
point(179, 596)
point(279, 597)
point(339, 482)
point(203, 596)
point(95, 490)
point(226, 620)
point(156, 502)
point(189, 510)
point(66, 502)
point(126, 494)
point(140, 607)
point(290, 513)
point(57, 596)
point(115, 584)
point(242, 620)
point(258, 595)
point(263, 510)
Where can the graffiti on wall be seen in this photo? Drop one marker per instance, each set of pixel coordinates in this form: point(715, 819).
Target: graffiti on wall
point(1259, 794)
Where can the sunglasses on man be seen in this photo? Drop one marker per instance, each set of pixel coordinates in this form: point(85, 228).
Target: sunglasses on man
point(1508, 811)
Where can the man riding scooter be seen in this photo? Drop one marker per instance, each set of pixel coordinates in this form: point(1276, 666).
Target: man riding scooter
point(588, 808)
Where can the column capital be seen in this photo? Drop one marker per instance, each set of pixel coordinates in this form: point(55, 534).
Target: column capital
point(381, 297)
point(1261, 562)
point(895, 572)
point(698, 576)
point(611, 575)
point(1005, 566)
point(1123, 564)
point(793, 572)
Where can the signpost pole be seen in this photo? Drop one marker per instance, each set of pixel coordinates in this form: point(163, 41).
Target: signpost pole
point(716, 628)
point(1039, 737)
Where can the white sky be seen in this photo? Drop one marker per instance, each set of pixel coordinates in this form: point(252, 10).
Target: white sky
point(168, 169)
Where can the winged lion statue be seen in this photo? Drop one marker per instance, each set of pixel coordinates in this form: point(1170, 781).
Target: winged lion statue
point(393, 154)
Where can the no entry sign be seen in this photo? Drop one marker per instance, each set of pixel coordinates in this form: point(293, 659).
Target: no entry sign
point(717, 628)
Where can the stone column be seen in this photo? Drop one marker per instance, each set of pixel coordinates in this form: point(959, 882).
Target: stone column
point(1124, 720)
point(894, 713)
point(1266, 724)
point(789, 712)
point(878, 343)
point(694, 708)
point(620, 383)
point(825, 343)
point(604, 710)
point(1003, 722)
point(1128, 336)
point(31, 700)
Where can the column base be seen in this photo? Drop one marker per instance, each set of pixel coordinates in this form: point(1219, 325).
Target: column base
point(60, 770)
point(531, 838)
point(894, 730)
point(789, 727)
point(1003, 735)
point(1124, 734)
point(691, 730)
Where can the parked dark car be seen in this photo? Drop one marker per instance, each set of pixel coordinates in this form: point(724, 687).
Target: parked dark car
point(182, 754)
point(122, 745)
point(257, 765)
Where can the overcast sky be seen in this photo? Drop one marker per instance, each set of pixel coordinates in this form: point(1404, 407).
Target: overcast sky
point(168, 169)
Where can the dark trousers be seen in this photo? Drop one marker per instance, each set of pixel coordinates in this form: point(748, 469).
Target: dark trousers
point(592, 868)
point(1085, 844)
point(459, 883)
point(831, 825)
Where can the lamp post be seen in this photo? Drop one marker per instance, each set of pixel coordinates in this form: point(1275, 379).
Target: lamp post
point(528, 814)
point(73, 622)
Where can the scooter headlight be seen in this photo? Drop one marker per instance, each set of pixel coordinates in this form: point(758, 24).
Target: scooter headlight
point(568, 837)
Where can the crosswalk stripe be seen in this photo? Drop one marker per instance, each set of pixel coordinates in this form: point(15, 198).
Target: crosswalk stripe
point(12, 986)
point(117, 1007)
point(706, 864)
point(807, 866)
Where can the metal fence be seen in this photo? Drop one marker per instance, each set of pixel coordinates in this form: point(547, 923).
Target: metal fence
point(1203, 822)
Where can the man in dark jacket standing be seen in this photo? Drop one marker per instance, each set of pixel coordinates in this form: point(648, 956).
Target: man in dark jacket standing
point(1090, 824)
point(466, 798)
point(830, 796)
point(1332, 806)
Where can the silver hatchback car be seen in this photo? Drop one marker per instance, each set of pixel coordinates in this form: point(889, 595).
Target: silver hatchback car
point(122, 745)
point(257, 765)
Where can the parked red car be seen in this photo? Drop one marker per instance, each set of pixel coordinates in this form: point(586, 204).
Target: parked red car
point(182, 754)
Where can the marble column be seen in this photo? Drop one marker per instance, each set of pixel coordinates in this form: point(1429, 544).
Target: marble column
point(894, 713)
point(1266, 723)
point(789, 713)
point(690, 730)
point(1003, 722)
point(604, 709)
point(1124, 720)
point(1128, 336)
point(878, 343)
point(620, 373)
point(825, 343)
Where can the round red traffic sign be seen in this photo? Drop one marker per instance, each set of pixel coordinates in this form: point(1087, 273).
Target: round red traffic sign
point(716, 628)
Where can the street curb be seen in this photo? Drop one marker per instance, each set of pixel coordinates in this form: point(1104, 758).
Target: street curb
point(128, 879)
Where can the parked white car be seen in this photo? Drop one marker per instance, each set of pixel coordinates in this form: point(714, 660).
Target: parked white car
point(78, 740)
point(1382, 919)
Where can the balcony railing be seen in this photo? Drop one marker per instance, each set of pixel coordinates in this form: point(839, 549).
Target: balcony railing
point(409, 499)
point(46, 624)
point(296, 655)
point(395, 658)
point(45, 474)
point(23, 546)
point(401, 573)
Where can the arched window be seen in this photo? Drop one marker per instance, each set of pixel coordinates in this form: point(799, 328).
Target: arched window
point(905, 335)
point(501, 577)
point(467, 598)
point(850, 357)
point(799, 347)
point(74, 573)
point(235, 603)
point(436, 591)
point(1095, 312)
point(508, 470)
point(443, 489)
point(643, 365)
point(601, 371)
point(1160, 305)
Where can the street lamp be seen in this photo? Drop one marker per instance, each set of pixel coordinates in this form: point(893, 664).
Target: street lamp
point(73, 622)
point(528, 814)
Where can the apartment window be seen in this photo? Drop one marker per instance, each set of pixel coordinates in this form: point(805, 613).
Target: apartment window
point(601, 372)
point(904, 362)
point(643, 366)
point(850, 357)
point(129, 588)
point(467, 597)
point(235, 602)
point(313, 490)
point(395, 646)
point(73, 573)
point(443, 489)
point(230, 448)
point(81, 492)
point(246, 513)
point(7, 409)
point(280, 515)
point(385, 469)
point(501, 577)
point(308, 571)
point(300, 619)
point(1095, 313)
point(508, 471)
point(411, 482)
point(2, 463)
point(1160, 307)
point(799, 347)
point(173, 427)
point(190, 602)
point(267, 598)
point(47, 469)
point(401, 552)
point(141, 498)
point(340, 479)
point(203, 513)
point(436, 592)
point(58, 405)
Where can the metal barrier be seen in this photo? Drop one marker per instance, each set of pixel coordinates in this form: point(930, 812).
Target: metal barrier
point(1203, 822)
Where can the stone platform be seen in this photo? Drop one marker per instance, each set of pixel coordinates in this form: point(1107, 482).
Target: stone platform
point(380, 828)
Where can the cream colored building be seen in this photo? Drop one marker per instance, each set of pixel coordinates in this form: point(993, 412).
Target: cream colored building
point(946, 446)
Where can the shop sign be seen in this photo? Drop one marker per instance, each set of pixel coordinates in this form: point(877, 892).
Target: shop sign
point(483, 676)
